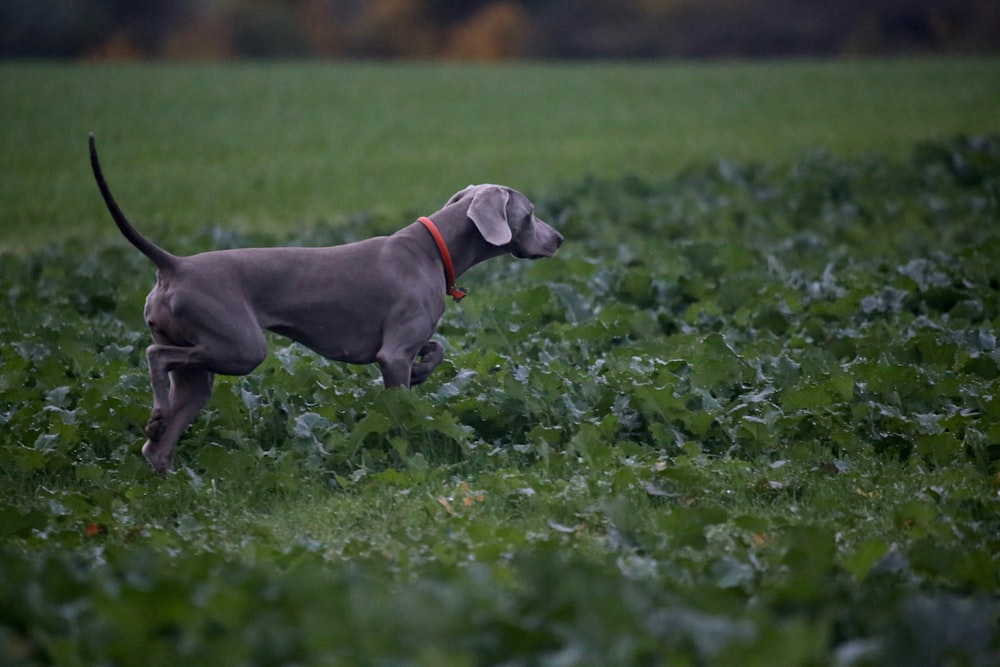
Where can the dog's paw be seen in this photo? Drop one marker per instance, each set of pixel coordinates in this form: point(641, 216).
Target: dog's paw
point(162, 462)
point(156, 425)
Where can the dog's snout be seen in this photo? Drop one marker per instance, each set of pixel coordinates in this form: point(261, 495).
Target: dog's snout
point(554, 238)
point(551, 242)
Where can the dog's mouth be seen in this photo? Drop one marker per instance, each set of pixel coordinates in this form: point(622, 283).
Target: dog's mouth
point(548, 249)
point(535, 255)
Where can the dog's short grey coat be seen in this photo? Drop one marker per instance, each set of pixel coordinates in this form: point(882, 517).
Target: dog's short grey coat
point(377, 300)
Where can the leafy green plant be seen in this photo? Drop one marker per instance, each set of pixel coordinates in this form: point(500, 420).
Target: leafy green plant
point(748, 416)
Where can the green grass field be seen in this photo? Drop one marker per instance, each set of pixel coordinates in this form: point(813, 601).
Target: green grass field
point(748, 415)
point(278, 147)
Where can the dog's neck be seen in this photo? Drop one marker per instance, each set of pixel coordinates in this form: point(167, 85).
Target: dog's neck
point(449, 267)
point(465, 244)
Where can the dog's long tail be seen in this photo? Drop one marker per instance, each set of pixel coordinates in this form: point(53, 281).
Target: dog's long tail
point(160, 257)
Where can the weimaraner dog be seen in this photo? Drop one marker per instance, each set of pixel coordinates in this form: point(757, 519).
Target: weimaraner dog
point(377, 300)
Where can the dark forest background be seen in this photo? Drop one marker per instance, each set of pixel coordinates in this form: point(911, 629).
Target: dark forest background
point(493, 29)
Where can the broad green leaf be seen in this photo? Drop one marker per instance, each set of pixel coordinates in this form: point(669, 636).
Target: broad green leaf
point(728, 572)
point(806, 397)
point(939, 448)
point(716, 366)
point(860, 561)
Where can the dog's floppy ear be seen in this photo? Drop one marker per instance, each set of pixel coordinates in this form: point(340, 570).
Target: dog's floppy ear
point(488, 212)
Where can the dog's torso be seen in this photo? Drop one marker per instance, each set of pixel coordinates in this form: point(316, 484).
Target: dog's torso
point(335, 300)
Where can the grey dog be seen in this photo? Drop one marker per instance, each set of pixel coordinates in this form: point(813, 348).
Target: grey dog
point(377, 300)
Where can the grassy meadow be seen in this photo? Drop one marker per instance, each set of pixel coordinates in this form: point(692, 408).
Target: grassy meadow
point(748, 415)
point(279, 147)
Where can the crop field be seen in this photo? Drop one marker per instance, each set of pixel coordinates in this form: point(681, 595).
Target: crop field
point(748, 415)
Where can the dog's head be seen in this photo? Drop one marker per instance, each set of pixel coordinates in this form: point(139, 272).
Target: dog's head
point(505, 217)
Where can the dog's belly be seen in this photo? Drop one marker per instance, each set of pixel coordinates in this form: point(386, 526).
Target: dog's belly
point(341, 338)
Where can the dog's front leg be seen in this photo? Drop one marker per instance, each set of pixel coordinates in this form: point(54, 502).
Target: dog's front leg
point(407, 333)
point(396, 366)
point(431, 354)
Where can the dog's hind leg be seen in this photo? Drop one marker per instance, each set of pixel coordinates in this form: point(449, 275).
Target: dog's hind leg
point(182, 382)
point(189, 391)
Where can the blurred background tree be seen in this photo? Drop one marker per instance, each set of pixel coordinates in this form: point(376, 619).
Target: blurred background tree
point(494, 29)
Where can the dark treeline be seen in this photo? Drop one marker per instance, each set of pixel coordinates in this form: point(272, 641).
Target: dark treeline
point(494, 29)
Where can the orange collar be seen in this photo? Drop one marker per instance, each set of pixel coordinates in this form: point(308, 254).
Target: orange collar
point(449, 268)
